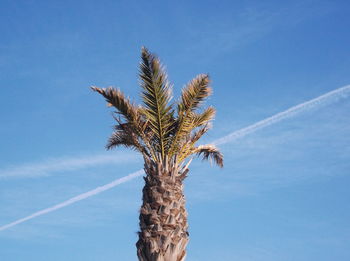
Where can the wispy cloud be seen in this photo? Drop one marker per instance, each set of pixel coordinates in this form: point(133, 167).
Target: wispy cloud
point(248, 25)
point(327, 98)
point(76, 199)
point(63, 164)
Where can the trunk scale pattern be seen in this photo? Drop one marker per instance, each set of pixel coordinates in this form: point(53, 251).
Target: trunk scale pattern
point(163, 217)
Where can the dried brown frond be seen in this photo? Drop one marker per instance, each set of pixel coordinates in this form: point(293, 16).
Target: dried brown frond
point(117, 99)
point(210, 152)
point(124, 135)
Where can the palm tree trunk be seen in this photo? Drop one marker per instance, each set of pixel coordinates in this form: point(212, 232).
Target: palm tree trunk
point(163, 232)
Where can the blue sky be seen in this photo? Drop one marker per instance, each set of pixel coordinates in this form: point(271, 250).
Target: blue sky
point(283, 193)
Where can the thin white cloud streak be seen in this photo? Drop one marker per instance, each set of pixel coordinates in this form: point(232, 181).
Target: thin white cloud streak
point(58, 165)
point(64, 164)
point(75, 199)
point(331, 96)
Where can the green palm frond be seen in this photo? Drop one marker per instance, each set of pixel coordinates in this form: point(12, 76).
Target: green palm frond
point(200, 119)
point(187, 148)
point(183, 128)
point(195, 92)
point(156, 97)
point(192, 96)
point(210, 152)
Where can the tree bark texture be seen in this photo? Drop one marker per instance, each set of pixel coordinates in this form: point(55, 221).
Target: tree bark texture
point(163, 232)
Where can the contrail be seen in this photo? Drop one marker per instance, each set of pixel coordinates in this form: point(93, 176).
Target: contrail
point(331, 96)
point(76, 199)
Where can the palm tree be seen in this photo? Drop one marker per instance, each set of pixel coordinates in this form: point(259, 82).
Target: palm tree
point(165, 134)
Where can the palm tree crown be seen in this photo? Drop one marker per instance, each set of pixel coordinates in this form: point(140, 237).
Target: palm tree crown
point(165, 133)
point(159, 129)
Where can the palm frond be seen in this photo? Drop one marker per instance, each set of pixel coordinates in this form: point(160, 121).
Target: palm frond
point(116, 98)
point(155, 129)
point(200, 119)
point(198, 134)
point(192, 96)
point(210, 152)
point(125, 135)
point(187, 148)
point(156, 96)
point(195, 92)
point(133, 117)
point(121, 138)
